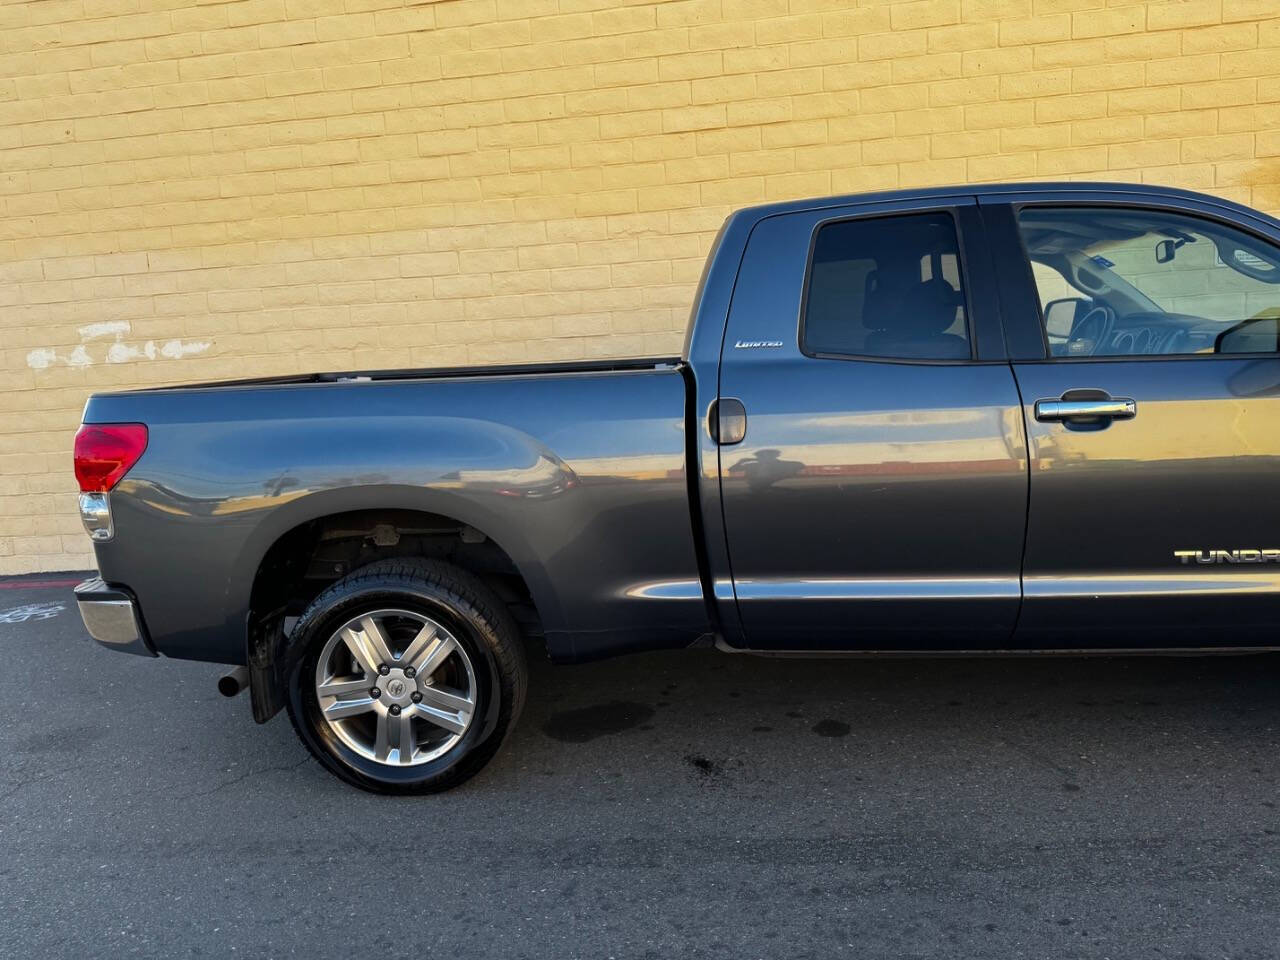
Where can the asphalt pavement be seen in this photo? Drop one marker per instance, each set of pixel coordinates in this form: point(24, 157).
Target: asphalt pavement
point(676, 805)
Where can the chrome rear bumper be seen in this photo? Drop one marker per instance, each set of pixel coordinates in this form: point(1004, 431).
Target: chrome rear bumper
point(111, 616)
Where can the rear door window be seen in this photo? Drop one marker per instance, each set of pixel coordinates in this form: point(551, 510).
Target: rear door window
point(887, 287)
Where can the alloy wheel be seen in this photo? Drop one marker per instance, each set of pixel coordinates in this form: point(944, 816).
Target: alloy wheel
point(396, 687)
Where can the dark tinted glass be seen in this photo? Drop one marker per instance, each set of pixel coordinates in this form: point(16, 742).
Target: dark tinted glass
point(888, 287)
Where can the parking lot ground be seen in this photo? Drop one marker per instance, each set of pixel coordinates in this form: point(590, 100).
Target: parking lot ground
point(677, 805)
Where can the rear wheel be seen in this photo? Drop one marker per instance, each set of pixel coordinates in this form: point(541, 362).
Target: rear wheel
point(405, 676)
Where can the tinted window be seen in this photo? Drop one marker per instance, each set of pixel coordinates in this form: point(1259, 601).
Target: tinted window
point(1128, 282)
point(887, 287)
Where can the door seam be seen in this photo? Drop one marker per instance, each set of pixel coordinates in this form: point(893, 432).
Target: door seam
point(1026, 519)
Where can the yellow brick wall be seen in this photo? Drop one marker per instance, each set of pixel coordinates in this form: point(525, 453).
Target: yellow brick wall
point(196, 190)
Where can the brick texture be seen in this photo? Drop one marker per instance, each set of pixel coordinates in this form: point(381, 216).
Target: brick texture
point(192, 190)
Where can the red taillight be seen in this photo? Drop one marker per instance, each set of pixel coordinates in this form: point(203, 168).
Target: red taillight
point(105, 452)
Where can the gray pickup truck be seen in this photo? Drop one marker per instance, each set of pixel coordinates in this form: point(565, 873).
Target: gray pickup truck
point(1028, 418)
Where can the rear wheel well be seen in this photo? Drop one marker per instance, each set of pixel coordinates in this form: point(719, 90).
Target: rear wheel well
point(305, 560)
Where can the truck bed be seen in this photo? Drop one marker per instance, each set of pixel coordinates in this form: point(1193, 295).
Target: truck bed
point(576, 471)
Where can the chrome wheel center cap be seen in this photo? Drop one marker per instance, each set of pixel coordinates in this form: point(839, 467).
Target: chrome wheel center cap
point(396, 688)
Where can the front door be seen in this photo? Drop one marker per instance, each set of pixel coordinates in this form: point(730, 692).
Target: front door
point(1153, 416)
point(878, 497)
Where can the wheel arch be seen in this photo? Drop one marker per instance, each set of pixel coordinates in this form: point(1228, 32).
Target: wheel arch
point(268, 568)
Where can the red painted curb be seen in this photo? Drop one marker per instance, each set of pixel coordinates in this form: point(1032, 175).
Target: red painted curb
point(36, 584)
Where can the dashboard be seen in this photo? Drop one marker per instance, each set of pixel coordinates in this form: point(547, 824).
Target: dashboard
point(1100, 332)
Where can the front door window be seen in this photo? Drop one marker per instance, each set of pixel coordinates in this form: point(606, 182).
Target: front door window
point(1130, 282)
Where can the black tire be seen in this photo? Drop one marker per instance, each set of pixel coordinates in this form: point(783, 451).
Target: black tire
point(478, 620)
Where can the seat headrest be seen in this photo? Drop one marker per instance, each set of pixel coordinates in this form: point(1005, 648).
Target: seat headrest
point(929, 307)
point(909, 307)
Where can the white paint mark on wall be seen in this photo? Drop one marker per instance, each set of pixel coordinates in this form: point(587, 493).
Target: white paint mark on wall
point(79, 358)
point(176, 349)
point(41, 358)
point(107, 328)
point(122, 353)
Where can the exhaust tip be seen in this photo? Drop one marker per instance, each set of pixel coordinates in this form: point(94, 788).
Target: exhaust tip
point(233, 682)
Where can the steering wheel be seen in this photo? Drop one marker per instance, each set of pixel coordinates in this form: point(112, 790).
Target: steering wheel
point(1177, 343)
point(1093, 329)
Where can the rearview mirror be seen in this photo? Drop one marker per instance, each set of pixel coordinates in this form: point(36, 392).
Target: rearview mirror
point(1166, 250)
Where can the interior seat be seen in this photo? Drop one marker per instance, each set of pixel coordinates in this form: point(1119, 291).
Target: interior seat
point(908, 318)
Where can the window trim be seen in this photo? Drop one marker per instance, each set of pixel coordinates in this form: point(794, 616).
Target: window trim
point(962, 265)
point(1127, 204)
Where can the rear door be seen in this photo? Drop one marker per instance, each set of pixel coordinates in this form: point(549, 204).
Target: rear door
point(877, 496)
point(1145, 336)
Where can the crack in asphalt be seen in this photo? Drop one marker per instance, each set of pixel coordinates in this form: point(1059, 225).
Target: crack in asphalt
point(244, 776)
point(22, 784)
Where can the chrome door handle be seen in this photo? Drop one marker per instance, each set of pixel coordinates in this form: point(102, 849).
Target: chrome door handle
point(1119, 408)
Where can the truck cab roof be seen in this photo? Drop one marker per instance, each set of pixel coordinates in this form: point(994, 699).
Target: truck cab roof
point(989, 190)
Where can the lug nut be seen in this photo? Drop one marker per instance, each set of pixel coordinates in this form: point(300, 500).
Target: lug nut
point(416, 697)
point(410, 672)
point(384, 669)
point(375, 693)
point(395, 710)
